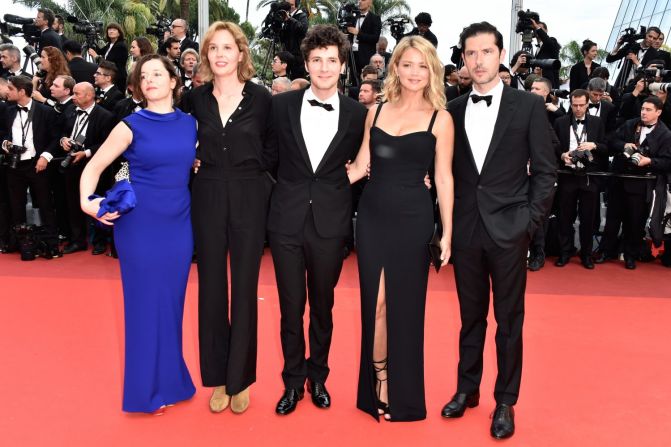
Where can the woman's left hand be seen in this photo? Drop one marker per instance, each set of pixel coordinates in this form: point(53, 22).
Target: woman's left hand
point(445, 250)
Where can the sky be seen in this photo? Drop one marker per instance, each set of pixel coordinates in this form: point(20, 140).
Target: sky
point(594, 21)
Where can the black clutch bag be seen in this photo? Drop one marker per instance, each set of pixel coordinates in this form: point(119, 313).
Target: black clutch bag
point(434, 250)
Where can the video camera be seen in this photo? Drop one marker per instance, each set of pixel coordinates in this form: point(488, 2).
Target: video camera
point(31, 54)
point(30, 33)
point(525, 27)
point(348, 14)
point(630, 37)
point(397, 27)
point(159, 28)
point(272, 24)
point(92, 31)
point(13, 156)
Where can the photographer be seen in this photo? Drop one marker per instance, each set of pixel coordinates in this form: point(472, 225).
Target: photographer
point(581, 72)
point(638, 53)
point(504, 74)
point(377, 61)
point(519, 69)
point(638, 91)
point(600, 107)
point(48, 38)
point(610, 94)
point(31, 142)
point(463, 86)
point(115, 51)
point(293, 32)
point(84, 132)
point(59, 27)
point(549, 49)
point(173, 52)
point(280, 64)
point(81, 70)
point(542, 87)
point(642, 146)
point(10, 57)
point(662, 54)
point(178, 31)
point(107, 94)
point(582, 150)
point(381, 48)
point(423, 22)
point(52, 64)
point(366, 34)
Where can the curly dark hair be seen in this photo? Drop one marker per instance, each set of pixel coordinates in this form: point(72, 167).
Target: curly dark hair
point(322, 36)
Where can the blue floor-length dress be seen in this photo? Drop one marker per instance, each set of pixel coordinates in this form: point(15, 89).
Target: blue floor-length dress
point(155, 244)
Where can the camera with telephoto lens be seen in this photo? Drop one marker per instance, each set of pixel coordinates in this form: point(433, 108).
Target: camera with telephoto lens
point(159, 28)
point(30, 33)
point(397, 27)
point(13, 157)
point(560, 93)
point(31, 54)
point(631, 153)
point(75, 148)
point(92, 31)
point(581, 159)
point(655, 87)
point(348, 14)
point(272, 24)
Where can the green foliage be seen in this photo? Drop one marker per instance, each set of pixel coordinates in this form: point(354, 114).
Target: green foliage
point(570, 55)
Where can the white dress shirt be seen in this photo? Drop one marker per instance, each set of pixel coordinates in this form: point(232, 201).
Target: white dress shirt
point(355, 41)
point(480, 120)
point(594, 111)
point(573, 142)
point(17, 133)
point(644, 133)
point(82, 120)
point(319, 125)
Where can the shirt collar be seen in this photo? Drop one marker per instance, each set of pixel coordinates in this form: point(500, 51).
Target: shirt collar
point(106, 89)
point(494, 91)
point(88, 109)
point(67, 100)
point(29, 105)
point(333, 100)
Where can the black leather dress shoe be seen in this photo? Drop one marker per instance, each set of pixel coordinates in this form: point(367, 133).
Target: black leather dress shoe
point(320, 396)
point(73, 247)
point(561, 261)
point(289, 400)
point(503, 422)
point(587, 262)
point(99, 249)
point(629, 263)
point(460, 401)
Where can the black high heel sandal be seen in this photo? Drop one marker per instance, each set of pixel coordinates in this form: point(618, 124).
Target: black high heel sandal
point(382, 407)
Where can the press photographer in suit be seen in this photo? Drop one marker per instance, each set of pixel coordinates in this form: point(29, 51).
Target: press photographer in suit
point(293, 32)
point(80, 69)
point(49, 38)
point(636, 54)
point(423, 21)
point(549, 49)
point(583, 149)
point(107, 94)
point(178, 30)
point(600, 107)
point(83, 134)
point(366, 34)
point(32, 139)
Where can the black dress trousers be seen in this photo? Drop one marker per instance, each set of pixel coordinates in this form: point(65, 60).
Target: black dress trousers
point(322, 259)
point(228, 210)
point(582, 192)
point(474, 266)
point(18, 182)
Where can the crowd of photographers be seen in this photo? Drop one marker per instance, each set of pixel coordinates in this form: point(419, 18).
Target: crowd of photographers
point(612, 142)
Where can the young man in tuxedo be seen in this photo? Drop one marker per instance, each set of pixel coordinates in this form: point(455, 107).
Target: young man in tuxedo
point(10, 57)
point(365, 35)
point(89, 126)
point(107, 94)
point(500, 132)
point(583, 149)
point(29, 125)
point(310, 209)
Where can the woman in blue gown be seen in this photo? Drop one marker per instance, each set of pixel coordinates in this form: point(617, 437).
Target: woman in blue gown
point(154, 240)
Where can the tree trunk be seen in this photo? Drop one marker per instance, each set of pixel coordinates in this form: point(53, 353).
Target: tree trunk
point(184, 9)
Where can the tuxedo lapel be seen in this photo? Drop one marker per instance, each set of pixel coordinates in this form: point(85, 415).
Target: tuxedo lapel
point(343, 126)
point(459, 115)
point(506, 112)
point(295, 124)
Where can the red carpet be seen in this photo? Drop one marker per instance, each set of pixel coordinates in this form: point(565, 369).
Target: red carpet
point(597, 365)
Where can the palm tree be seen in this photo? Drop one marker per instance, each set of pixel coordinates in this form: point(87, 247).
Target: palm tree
point(570, 55)
point(387, 9)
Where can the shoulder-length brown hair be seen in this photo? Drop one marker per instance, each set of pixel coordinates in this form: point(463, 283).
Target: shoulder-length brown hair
point(136, 77)
point(57, 65)
point(117, 27)
point(434, 92)
point(144, 45)
point(245, 66)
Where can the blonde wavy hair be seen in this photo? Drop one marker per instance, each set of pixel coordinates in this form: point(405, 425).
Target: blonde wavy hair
point(434, 92)
point(245, 67)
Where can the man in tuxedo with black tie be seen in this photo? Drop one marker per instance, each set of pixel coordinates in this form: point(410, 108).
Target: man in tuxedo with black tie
point(500, 132)
point(44, 22)
point(600, 107)
point(10, 57)
point(30, 126)
point(178, 30)
point(107, 94)
point(366, 34)
point(310, 209)
point(637, 55)
point(89, 126)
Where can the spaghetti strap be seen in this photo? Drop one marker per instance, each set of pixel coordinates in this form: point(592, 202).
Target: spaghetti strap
point(433, 120)
point(377, 113)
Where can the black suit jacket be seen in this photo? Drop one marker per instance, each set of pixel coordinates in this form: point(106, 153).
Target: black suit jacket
point(608, 115)
point(578, 77)
point(299, 189)
point(510, 203)
point(659, 148)
point(45, 134)
point(81, 70)
point(453, 92)
point(118, 55)
point(49, 38)
point(650, 55)
point(369, 34)
point(100, 125)
point(186, 43)
point(110, 99)
point(595, 134)
point(428, 36)
point(549, 50)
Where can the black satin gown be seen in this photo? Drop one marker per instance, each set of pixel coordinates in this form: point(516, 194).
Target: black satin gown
point(394, 224)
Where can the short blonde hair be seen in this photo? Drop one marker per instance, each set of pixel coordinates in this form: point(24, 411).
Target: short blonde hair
point(245, 67)
point(435, 89)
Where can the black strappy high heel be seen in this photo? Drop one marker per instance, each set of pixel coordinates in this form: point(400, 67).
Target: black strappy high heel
point(383, 407)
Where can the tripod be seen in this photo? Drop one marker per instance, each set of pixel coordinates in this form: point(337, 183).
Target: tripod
point(270, 55)
point(350, 77)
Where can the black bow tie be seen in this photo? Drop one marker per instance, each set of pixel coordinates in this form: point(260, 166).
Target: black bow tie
point(649, 126)
point(81, 112)
point(578, 122)
point(313, 102)
point(23, 109)
point(594, 106)
point(477, 98)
